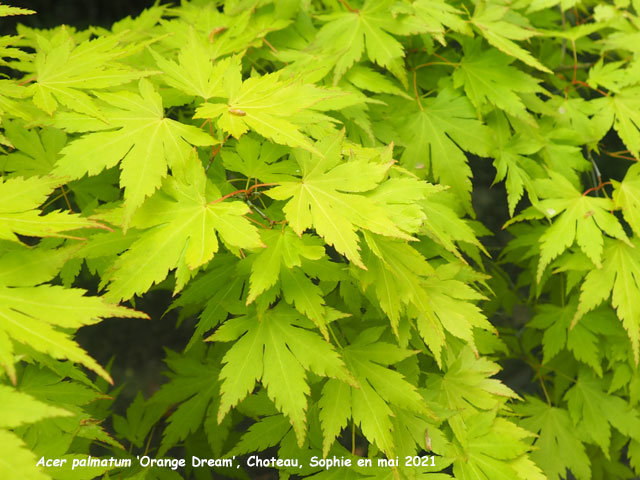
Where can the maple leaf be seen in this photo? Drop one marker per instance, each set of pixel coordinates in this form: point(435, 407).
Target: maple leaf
point(626, 196)
point(406, 283)
point(595, 412)
point(36, 152)
point(282, 260)
point(19, 409)
point(195, 74)
point(623, 107)
point(194, 387)
point(65, 70)
point(500, 26)
point(277, 350)
point(487, 76)
point(38, 316)
point(379, 388)
point(327, 198)
point(435, 134)
point(181, 222)
point(145, 143)
point(581, 219)
point(619, 278)
point(580, 338)
point(19, 213)
point(557, 446)
point(435, 16)
point(265, 104)
point(368, 26)
point(491, 449)
point(258, 159)
point(466, 387)
point(516, 169)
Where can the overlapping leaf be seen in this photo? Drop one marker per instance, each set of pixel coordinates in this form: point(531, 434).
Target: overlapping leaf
point(278, 351)
point(266, 104)
point(181, 223)
point(581, 219)
point(66, 71)
point(145, 142)
point(327, 198)
point(618, 279)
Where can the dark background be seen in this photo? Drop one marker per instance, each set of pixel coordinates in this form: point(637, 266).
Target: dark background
point(77, 13)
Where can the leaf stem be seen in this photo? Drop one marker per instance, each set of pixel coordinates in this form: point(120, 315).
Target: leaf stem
point(246, 191)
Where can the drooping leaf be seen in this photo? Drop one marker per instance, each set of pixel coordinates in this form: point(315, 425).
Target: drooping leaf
point(278, 351)
point(181, 222)
point(145, 142)
point(327, 198)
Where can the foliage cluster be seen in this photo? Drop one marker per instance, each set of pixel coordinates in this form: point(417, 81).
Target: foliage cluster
point(297, 176)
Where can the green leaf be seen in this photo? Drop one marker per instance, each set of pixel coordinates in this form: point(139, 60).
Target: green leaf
point(265, 104)
point(146, 143)
point(65, 70)
point(487, 77)
point(327, 198)
point(277, 351)
point(595, 411)
point(335, 411)
point(181, 223)
point(435, 136)
point(626, 120)
point(195, 74)
point(17, 461)
point(582, 219)
point(36, 316)
point(353, 30)
point(626, 196)
point(19, 212)
point(379, 387)
point(494, 24)
point(558, 446)
point(619, 279)
point(21, 408)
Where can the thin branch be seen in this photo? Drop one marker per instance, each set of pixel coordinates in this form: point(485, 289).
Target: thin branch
point(246, 191)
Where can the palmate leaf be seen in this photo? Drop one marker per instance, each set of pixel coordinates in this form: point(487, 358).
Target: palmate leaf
point(146, 143)
point(595, 412)
point(582, 338)
point(619, 278)
point(181, 222)
point(494, 24)
point(487, 76)
point(276, 350)
point(582, 219)
point(193, 387)
point(435, 135)
point(266, 104)
point(626, 120)
point(378, 389)
point(17, 460)
point(626, 196)
point(195, 74)
point(516, 169)
point(19, 213)
point(347, 33)
point(37, 316)
point(467, 387)
point(65, 71)
point(493, 449)
point(405, 283)
point(558, 448)
point(327, 198)
point(281, 261)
